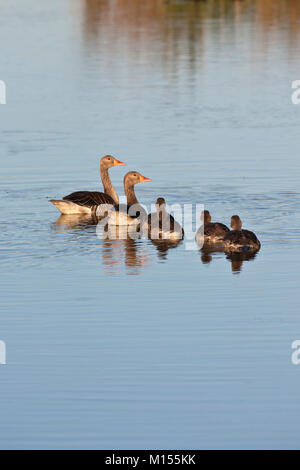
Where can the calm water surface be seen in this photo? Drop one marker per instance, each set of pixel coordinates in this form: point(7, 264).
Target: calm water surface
point(119, 344)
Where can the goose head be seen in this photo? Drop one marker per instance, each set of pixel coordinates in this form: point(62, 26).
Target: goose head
point(108, 161)
point(160, 204)
point(134, 177)
point(236, 223)
point(205, 217)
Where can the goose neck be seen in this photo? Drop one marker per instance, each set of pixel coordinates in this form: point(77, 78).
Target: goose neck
point(130, 194)
point(107, 184)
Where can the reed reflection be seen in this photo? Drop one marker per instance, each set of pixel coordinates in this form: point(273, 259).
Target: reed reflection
point(180, 28)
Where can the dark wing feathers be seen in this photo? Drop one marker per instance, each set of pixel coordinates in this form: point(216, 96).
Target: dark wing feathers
point(216, 229)
point(169, 221)
point(89, 198)
point(234, 236)
point(241, 237)
point(251, 236)
point(158, 222)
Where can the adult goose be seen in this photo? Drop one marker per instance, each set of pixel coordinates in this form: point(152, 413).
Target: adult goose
point(86, 202)
point(239, 240)
point(162, 225)
point(210, 232)
point(132, 212)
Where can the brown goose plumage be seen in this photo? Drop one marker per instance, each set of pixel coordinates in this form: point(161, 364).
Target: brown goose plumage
point(210, 232)
point(162, 225)
point(86, 202)
point(89, 198)
point(239, 240)
point(125, 214)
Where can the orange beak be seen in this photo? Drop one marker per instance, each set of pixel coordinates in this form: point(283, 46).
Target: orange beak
point(143, 178)
point(117, 162)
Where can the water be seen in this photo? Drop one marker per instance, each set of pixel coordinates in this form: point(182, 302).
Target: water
point(117, 344)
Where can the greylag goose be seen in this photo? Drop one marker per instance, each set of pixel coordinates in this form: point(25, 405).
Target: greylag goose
point(210, 232)
point(132, 212)
point(239, 240)
point(162, 225)
point(86, 202)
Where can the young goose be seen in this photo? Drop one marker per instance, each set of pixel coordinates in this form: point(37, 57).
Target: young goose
point(132, 212)
point(86, 202)
point(210, 232)
point(162, 225)
point(239, 240)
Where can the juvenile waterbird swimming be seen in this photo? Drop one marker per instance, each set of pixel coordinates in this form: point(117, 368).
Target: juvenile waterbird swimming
point(239, 240)
point(210, 232)
point(162, 226)
point(86, 202)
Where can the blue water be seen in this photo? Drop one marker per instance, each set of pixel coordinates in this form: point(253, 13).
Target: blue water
point(115, 344)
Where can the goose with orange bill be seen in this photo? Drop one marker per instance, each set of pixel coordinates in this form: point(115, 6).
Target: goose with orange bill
point(86, 202)
point(132, 212)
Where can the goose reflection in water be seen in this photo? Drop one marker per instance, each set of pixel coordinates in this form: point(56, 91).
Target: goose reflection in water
point(236, 259)
point(119, 244)
point(120, 248)
point(163, 246)
point(207, 251)
point(67, 222)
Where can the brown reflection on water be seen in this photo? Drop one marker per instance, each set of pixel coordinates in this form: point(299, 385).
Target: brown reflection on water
point(185, 27)
point(128, 252)
point(207, 251)
point(236, 259)
point(66, 222)
point(145, 29)
point(120, 248)
point(163, 246)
